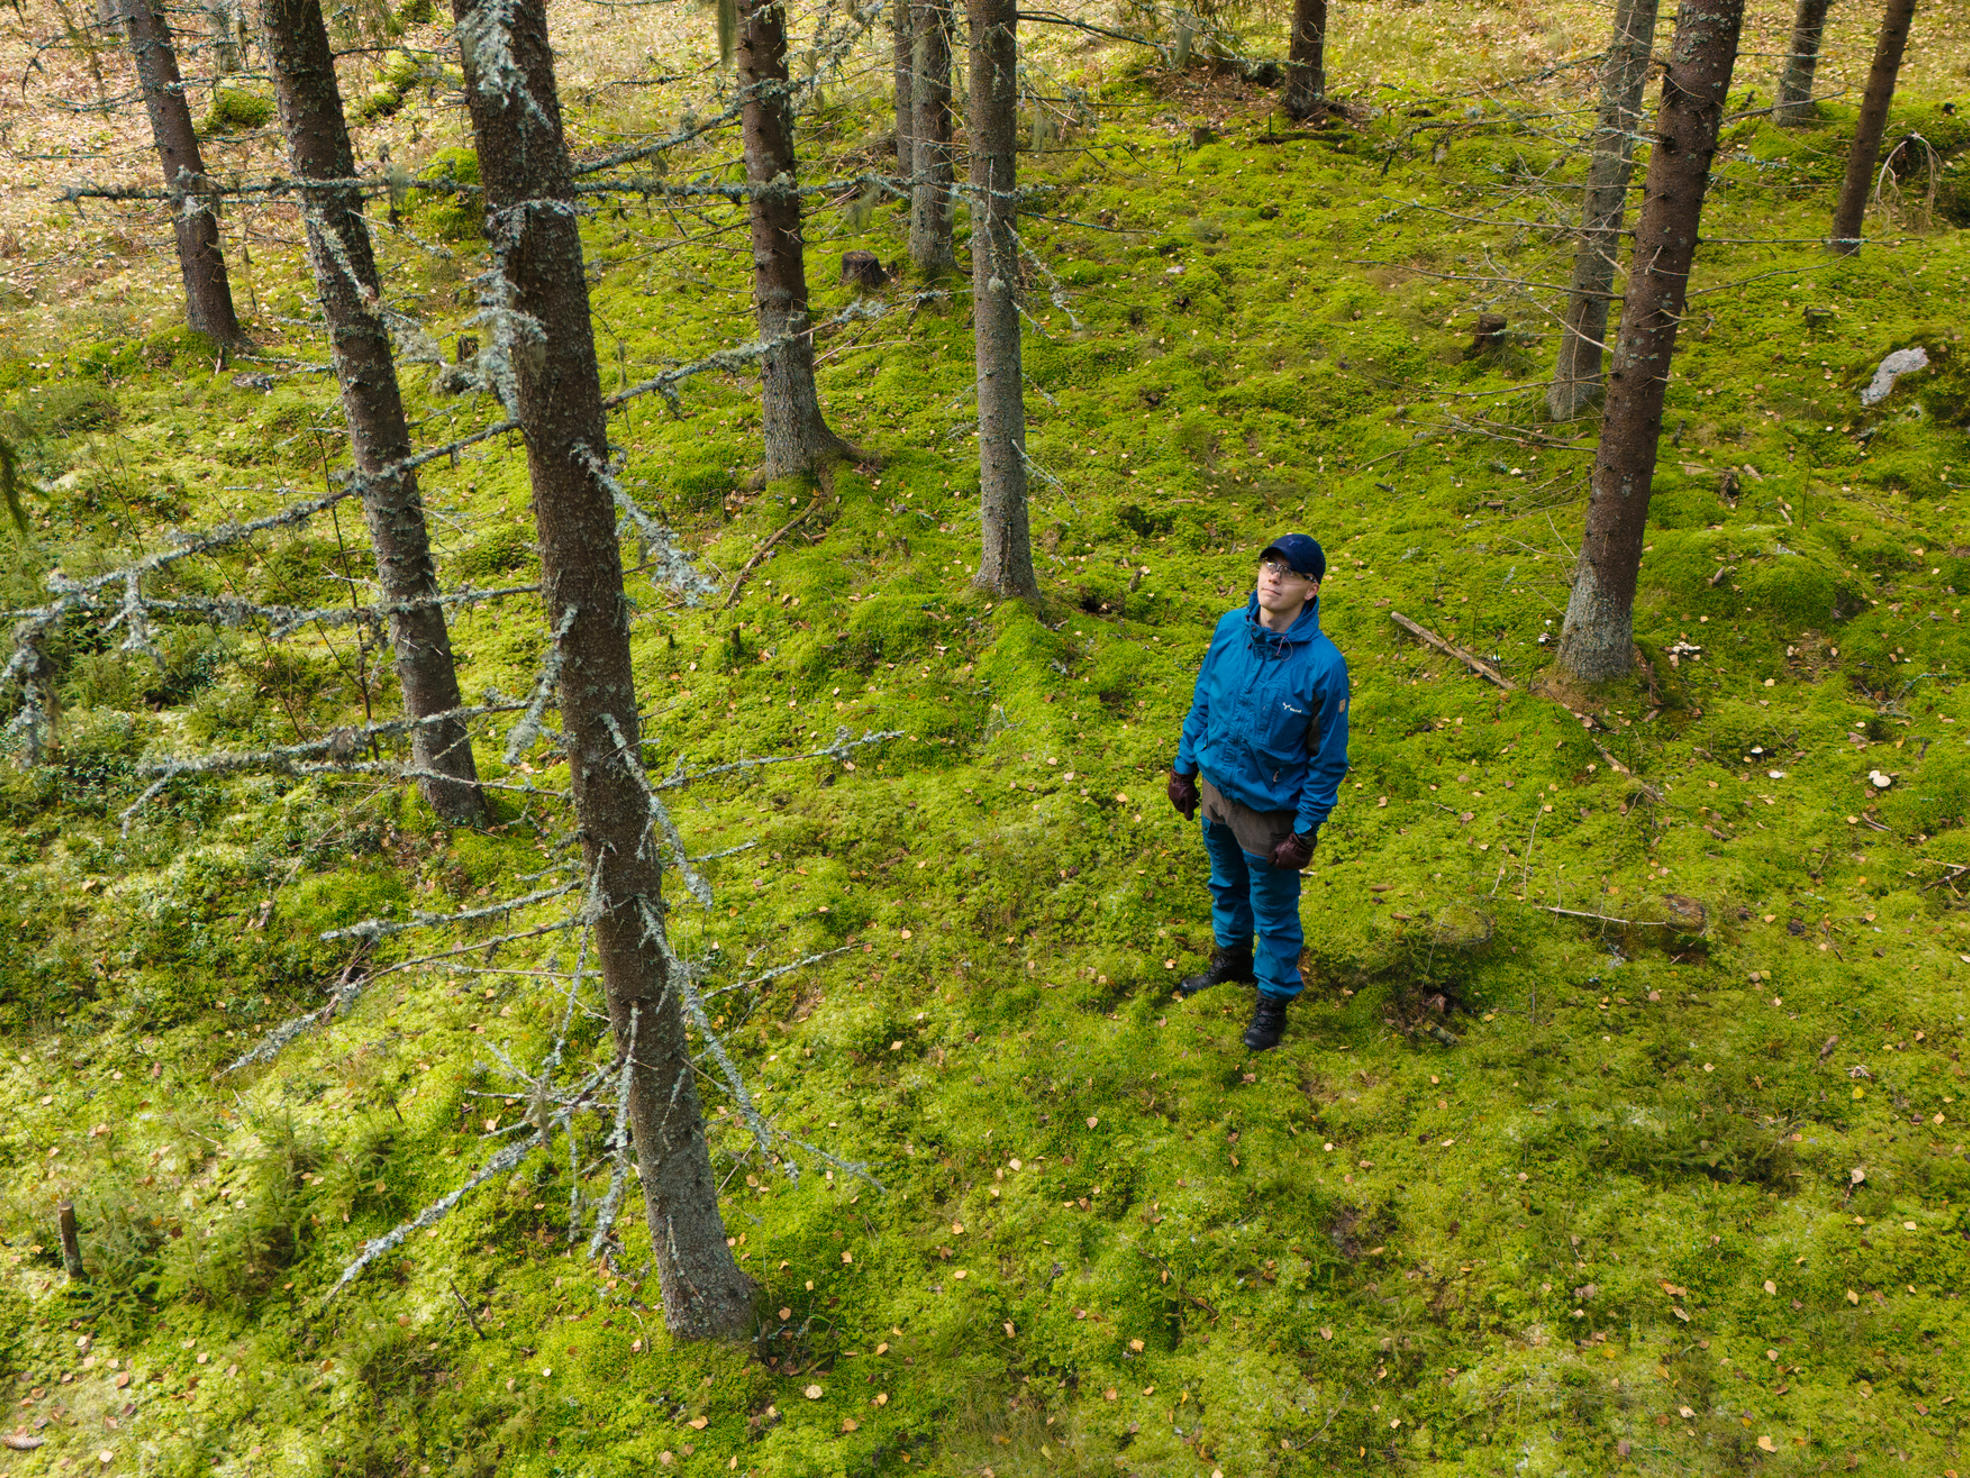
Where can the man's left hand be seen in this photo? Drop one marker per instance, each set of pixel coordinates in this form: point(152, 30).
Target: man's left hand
point(1295, 852)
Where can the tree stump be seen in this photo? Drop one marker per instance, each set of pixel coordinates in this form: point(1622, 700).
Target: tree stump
point(71, 1242)
point(862, 269)
point(1489, 337)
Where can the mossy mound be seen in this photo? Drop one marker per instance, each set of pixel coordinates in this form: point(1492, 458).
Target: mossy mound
point(236, 110)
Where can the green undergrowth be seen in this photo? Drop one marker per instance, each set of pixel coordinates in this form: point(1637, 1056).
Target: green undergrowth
point(1620, 1122)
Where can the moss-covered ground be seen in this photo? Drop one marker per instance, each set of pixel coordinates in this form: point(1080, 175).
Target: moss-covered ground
point(1619, 1126)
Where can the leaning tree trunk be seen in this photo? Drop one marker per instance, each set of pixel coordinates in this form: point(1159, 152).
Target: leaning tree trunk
point(1306, 60)
point(1802, 59)
point(1854, 190)
point(930, 148)
point(541, 328)
point(1005, 564)
point(903, 30)
point(194, 217)
point(351, 296)
point(797, 436)
point(1577, 378)
point(1597, 641)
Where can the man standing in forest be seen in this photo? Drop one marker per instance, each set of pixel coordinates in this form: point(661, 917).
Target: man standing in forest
point(1262, 753)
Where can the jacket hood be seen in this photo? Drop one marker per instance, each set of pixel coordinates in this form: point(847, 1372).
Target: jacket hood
point(1305, 627)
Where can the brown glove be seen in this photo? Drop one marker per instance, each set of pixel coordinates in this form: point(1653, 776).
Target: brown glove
point(1183, 794)
point(1295, 852)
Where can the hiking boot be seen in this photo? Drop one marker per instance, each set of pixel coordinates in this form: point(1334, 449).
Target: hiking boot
point(1268, 1023)
point(1226, 964)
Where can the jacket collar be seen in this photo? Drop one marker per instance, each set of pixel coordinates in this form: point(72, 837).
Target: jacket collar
point(1305, 627)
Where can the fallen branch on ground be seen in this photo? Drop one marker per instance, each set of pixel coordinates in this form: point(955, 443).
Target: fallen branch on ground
point(1575, 913)
point(766, 549)
point(1471, 660)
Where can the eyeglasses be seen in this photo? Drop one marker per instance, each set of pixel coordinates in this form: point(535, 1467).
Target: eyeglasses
point(1279, 566)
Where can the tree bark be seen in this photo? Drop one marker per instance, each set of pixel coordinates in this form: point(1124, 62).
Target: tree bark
point(903, 27)
point(1597, 641)
point(1795, 79)
point(351, 296)
point(1306, 61)
point(540, 316)
point(1005, 565)
point(226, 28)
point(797, 435)
point(1859, 183)
point(930, 150)
point(194, 217)
point(71, 1239)
point(1577, 377)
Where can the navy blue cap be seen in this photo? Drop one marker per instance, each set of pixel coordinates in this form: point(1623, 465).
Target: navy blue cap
point(1302, 552)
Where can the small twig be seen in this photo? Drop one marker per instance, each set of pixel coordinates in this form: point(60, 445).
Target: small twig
point(767, 548)
point(1955, 871)
point(470, 1317)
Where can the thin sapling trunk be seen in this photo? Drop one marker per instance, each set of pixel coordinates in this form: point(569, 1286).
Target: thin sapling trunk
point(194, 213)
point(1005, 565)
point(1597, 641)
point(1802, 58)
point(903, 35)
point(1859, 183)
point(796, 434)
point(543, 349)
point(351, 292)
point(930, 149)
point(1577, 377)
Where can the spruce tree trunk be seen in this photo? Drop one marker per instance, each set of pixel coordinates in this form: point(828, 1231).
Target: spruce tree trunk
point(1597, 642)
point(931, 199)
point(1795, 79)
point(1859, 183)
point(1005, 565)
point(208, 293)
point(1577, 377)
point(904, 34)
point(226, 28)
point(1306, 60)
point(797, 435)
point(536, 244)
point(351, 296)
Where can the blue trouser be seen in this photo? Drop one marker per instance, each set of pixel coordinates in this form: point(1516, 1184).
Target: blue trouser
point(1246, 891)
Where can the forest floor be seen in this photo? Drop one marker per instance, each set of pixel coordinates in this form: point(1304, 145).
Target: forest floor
point(1620, 1125)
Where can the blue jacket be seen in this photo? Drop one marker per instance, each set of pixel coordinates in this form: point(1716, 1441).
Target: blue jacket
point(1268, 724)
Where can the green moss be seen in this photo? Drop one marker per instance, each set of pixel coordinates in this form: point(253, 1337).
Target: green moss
point(401, 72)
point(1641, 1092)
point(236, 110)
point(497, 553)
point(64, 410)
point(443, 209)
